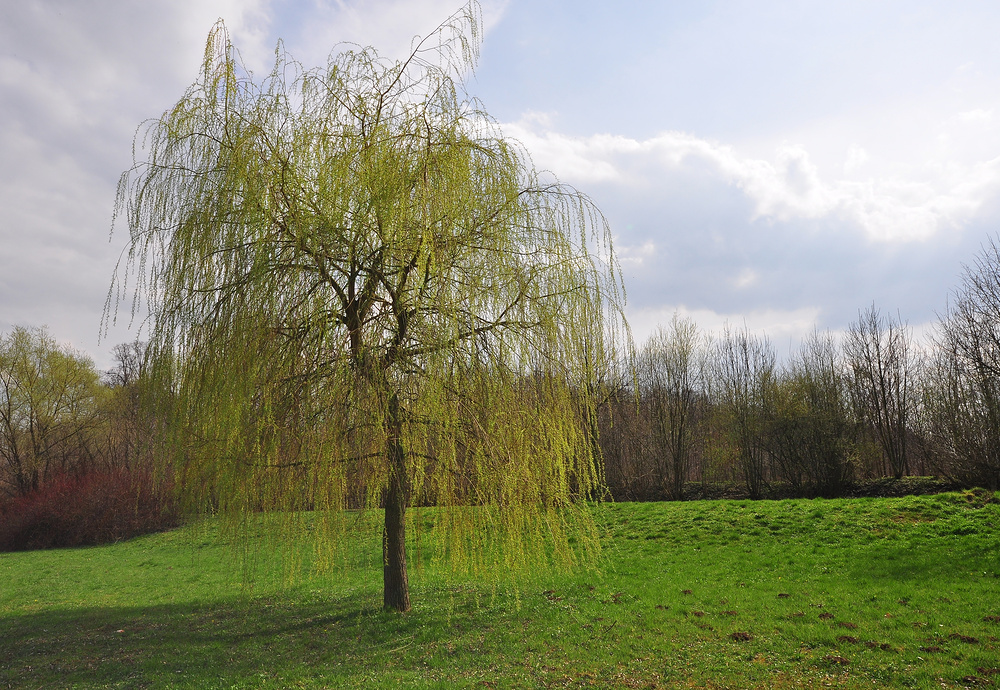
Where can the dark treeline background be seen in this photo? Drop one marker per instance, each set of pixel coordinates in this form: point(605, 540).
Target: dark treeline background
point(697, 409)
point(688, 413)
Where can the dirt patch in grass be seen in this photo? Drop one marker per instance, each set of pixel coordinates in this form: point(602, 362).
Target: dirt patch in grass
point(884, 646)
point(967, 639)
point(975, 680)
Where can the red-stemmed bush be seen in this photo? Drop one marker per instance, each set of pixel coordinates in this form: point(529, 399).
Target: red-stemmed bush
point(98, 507)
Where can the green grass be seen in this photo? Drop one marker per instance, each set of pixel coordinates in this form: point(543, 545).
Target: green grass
point(858, 593)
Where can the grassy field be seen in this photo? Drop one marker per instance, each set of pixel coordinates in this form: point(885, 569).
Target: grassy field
point(854, 593)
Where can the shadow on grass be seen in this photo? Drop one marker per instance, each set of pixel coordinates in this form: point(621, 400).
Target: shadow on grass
point(278, 642)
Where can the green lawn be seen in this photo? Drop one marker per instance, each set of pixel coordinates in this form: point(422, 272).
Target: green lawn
point(855, 593)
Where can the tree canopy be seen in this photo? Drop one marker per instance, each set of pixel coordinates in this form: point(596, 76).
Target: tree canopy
point(50, 410)
point(362, 295)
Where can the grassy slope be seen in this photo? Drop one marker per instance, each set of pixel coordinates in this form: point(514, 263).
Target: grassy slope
point(850, 593)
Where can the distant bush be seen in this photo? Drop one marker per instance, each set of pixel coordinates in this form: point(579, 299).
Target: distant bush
point(98, 507)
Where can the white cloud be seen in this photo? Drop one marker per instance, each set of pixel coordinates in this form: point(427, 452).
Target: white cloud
point(978, 115)
point(856, 159)
point(746, 278)
point(632, 254)
point(580, 159)
point(784, 328)
point(787, 188)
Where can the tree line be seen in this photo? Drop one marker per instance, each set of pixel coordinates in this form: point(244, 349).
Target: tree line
point(873, 402)
point(59, 415)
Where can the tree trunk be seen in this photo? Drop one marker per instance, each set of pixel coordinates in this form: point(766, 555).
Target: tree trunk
point(396, 587)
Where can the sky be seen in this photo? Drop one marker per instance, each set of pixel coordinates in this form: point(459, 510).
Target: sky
point(774, 164)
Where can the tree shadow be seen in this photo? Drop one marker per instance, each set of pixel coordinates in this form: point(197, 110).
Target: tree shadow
point(274, 641)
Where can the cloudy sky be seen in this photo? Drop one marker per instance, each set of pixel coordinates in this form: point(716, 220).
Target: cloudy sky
point(775, 163)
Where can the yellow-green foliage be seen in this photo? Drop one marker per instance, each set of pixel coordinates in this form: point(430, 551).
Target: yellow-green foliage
point(52, 409)
point(347, 260)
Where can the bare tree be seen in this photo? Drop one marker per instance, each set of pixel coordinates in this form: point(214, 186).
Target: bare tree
point(809, 423)
point(672, 373)
point(129, 426)
point(624, 439)
point(965, 405)
point(879, 354)
point(744, 374)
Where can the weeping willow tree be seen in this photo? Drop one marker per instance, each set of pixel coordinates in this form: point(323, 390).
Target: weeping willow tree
point(362, 296)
